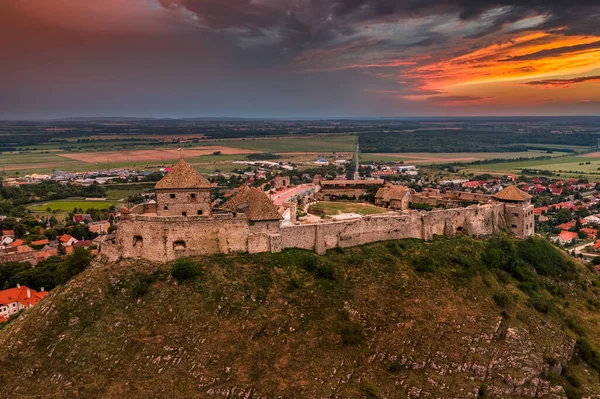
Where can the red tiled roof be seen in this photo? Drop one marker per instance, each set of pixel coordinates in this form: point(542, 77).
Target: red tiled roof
point(65, 238)
point(567, 236)
point(20, 295)
point(8, 232)
point(40, 242)
point(567, 226)
point(17, 243)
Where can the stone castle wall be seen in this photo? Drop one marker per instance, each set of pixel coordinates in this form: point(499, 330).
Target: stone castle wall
point(476, 220)
point(164, 239)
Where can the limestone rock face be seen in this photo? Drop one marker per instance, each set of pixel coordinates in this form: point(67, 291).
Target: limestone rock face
point(351, 324)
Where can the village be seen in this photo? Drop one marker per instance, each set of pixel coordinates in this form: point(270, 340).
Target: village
point(566, 211)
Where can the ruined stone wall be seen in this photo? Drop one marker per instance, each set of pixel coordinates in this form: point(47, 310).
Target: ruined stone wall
point(477, 220)
point(163, 239)
point(19, 257)
point(262, 237)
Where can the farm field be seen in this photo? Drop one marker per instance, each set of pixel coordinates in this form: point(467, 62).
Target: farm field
point(150, 155)
point(320, 144)
point(334, 208)
point(38, 161)
point(449, 157)
point(69, 205)
point(567, 166)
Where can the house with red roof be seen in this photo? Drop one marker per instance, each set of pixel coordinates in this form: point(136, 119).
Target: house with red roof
point(67, 240)
point(40, 242)
point(17, 243)
point(597, 245)
point(567, 226)
point(16, 299)
point(566, 237)
point(82, 218)
point(591, 233)
point(8, 233)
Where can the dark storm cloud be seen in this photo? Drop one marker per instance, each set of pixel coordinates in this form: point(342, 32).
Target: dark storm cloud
point(555, 52)
point(563, 82)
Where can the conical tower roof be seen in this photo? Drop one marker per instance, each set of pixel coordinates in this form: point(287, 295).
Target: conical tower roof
point(512, 193)
point(254, 203)
point(182, 176)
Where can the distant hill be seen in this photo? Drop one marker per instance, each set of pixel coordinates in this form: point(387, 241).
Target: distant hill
point(454, 318)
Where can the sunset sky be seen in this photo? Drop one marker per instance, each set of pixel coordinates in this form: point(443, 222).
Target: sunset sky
point(298, 58)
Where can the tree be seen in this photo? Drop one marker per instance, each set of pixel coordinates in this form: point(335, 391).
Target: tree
point(20, 230)
point(582, 235)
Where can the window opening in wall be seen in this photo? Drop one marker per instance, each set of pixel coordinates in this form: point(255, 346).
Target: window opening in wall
point(200, 212)
point(193, 196)
point(138, 241)
point(459, 229)
point(514, 226)
point(166, 208)
point(183, 213)
point(179, 245)
point(172, 195)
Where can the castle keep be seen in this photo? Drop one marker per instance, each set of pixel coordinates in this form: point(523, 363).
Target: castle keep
point(182, 222)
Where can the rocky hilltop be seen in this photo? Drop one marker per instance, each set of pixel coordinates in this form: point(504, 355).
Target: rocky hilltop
point(452, 318)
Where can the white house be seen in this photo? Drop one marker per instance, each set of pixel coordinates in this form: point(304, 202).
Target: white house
point(15, 299)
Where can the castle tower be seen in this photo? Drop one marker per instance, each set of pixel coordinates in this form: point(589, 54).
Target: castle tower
point(183, 192)
point(518, 211)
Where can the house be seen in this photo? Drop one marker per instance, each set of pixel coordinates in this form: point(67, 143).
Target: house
point(83, 243)
point(16, 299)
point(566, 237)
point(7, 234)
point(591, 233)
point(17, 243)
point(597, 245)
point(6, 242)
point(592, 219)
point(393, 197)
point(99, 227)
point(82, 218)
point(567, 226)
point(40, 242)
point(66, 240)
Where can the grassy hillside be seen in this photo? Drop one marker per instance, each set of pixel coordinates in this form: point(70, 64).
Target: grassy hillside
point(454, 318)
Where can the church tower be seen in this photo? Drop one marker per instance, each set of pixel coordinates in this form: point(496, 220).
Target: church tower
point(183, 192)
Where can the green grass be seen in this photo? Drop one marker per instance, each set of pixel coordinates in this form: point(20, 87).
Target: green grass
point(333, 208)
point(69, 205)
point(117, 194)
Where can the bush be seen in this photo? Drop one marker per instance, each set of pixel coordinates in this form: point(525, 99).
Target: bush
point(352, 333)
point(185, 269)
point(141, 283)
point(502, 299)
point(541, 304)
point(587, 353)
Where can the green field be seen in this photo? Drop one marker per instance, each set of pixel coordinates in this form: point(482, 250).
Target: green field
point(429, 158)
point(69, 205)
point(334, 208)
point(565, 166)
point(338, 143)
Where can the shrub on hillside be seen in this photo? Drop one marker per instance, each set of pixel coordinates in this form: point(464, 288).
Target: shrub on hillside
point(185, 269)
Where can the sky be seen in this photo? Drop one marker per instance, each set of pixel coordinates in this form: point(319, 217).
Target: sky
point(298, 58)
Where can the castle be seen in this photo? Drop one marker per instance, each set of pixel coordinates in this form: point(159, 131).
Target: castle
point(182, 222)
